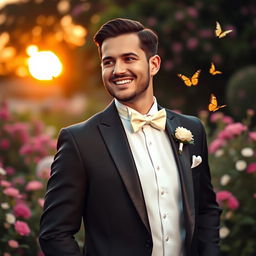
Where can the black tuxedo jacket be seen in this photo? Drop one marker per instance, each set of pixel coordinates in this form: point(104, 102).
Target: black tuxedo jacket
point(94, 178)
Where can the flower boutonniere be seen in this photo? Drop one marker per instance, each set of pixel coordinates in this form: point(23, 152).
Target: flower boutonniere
point(184, 136)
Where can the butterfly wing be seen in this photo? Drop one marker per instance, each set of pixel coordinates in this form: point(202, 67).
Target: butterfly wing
point(213, 106)
point(213, 70)
point(194, 78)
point(187, 81)
point(224, 33)
point(218, 29)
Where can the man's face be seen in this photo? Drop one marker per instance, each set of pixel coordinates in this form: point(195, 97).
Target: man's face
point(125, 69)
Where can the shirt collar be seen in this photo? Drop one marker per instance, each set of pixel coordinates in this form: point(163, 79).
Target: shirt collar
point(125, 111)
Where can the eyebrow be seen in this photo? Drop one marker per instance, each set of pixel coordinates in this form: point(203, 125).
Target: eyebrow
point(123, 55)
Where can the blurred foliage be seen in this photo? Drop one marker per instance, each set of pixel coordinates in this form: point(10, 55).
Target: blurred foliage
point(241, 91)
point(186, 33)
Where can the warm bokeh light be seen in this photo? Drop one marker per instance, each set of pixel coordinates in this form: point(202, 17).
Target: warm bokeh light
point(43, 65)
point(32, 49)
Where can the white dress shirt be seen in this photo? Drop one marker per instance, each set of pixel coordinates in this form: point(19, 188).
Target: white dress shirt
point(159, 178)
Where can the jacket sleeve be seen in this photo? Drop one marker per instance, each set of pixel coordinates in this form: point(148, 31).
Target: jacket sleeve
point(209, 211)
point(64, 200)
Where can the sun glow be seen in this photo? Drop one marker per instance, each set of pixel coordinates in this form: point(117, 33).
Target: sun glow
point(43, 65)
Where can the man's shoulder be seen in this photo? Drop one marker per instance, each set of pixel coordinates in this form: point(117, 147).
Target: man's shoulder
point(182, 117)
point(87, 125)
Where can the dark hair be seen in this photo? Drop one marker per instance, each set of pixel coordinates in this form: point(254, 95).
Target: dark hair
point(148, 38)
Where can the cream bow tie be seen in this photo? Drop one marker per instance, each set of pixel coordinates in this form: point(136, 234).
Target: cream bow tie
point(157, 120)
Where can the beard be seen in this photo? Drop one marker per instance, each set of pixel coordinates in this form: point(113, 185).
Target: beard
point(141, 88)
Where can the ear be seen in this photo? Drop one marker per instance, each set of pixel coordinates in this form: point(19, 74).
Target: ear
point(154, 64)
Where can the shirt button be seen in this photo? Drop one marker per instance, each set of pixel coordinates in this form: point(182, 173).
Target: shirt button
point(162, 192)
point(150, 143)
point(164, 216)
point(167, 239)
point(158, 167)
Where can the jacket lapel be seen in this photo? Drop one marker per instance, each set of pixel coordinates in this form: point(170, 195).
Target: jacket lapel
point(113, 134)
point(183, 162)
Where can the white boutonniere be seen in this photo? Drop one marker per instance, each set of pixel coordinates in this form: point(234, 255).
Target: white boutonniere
point(183, 136)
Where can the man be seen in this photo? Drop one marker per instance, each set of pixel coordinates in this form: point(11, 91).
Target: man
point(121, 171)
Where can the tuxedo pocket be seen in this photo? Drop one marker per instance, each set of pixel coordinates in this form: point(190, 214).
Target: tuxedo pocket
point(196, 160)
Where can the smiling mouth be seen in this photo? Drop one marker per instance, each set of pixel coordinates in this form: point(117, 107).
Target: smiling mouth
point(124, 81)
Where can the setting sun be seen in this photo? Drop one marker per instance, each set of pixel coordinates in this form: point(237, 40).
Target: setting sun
point(44, 65)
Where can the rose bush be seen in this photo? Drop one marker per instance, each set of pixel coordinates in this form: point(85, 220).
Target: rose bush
point(23, 148)
point(232, 157)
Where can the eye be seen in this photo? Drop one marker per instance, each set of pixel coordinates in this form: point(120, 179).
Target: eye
point(107, 63)
point(130, 59)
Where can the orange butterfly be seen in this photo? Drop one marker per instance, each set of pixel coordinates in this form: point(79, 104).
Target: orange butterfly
point(213, 106)
point(189, 81)
point(218, 31)
point(213, 71)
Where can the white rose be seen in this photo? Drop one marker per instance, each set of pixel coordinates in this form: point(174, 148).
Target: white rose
point(247, 152)
point(219, 153)
point(183, 134)
point(241, 165)
point(10, 218)
point(5, 206)
point(224, 232)
point(224, 180)
point(2, 171)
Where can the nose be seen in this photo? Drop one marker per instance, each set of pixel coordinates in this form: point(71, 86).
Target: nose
point(119, 68)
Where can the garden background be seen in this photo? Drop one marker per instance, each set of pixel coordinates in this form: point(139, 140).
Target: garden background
point(32, 109)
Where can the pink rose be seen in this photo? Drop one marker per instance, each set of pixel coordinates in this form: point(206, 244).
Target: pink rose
point(41, 202)
point(22, 210)
point(11, 192)
point(232, 203)
point(22, 228)
point(13, 243)
point(223, 195)
point(251, 168)
point(34, 185)
point(215, 145)
point(226, 196)
point(4, 144)
point(227, 120)
point(252, 135)
point(5, 183)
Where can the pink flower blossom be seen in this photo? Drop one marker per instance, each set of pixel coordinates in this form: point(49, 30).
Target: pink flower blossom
point(4, 112)
point(22, 210)
point(5, 183)
point(4, 144)
point(232, 130)
point(10, 170)
point(192, 43)
point(41, 202)
point(34, 185)
point(177, 47)
point(18, 130)
point(22, 228)
point(226, 196)
point(13, 243)
point(232, 203)
point(192, 12)
point(18, 180)
point(216, 117)
point(223, 195)
point(251, 168)
point(179, 15)
point(227, 120)
point(216, 144)
point(11, 192)
point(252, 136)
